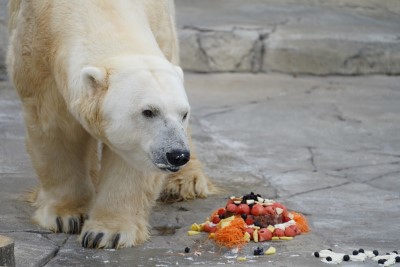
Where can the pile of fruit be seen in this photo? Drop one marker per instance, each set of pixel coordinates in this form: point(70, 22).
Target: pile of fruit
point(251, 217)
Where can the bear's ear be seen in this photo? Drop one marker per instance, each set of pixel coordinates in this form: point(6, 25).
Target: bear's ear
point(180, 72)
point(93, 78)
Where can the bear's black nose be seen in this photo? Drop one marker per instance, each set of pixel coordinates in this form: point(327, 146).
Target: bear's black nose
point(178, 157)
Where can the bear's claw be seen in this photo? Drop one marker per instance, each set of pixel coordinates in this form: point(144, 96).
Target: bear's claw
point(89, 242)
point(74, 225)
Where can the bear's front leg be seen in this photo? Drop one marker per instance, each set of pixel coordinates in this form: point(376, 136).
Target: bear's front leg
point(120, 215)
point(64, 157)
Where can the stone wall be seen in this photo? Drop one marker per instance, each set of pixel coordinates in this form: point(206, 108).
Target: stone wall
point(345, 37)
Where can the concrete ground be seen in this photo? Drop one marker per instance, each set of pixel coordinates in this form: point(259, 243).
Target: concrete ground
point(328, 147)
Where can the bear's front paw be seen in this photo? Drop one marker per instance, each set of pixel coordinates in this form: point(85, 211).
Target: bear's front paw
point(98, 235)
point(69, 224)
point(188, 183)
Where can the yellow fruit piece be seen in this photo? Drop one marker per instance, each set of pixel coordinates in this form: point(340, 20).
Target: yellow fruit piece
point(271, 228)
point(201, 227)
point(195, 227)
point(285, 238)
point(193, 232)
point(211, 235)
point(228, 219)
point(275, 238)
point(255, 236)
point(242, 259)
point(270, 251)
point(225, 224)
point(246, 237)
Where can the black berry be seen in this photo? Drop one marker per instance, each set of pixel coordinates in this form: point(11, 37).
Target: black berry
point(382, 261)
point(397, 259)
point(395, 252)
point(316, 254)
point(355, 252)
point(258, 251)
point(361, 250)
point(346, 257)
point(376, 253)
point(387, 253)
point(328, 258)
point(187, 250)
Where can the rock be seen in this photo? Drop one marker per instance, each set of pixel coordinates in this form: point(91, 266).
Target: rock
point(7, 251)
point(214, 50)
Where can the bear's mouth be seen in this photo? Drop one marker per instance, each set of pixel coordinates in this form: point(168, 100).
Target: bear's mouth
point(167, 168)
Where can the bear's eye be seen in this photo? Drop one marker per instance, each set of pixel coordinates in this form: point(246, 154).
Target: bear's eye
point(148, 113)
point(185, 116)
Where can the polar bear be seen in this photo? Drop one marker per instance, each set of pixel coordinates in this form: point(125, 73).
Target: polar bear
point(102, 71)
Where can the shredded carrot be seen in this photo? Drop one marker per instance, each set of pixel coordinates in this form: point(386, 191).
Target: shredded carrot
point(232, 235)
point(301, 222)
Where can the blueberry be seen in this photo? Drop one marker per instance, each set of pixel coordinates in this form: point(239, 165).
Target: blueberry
point(376, 253)
point(346, 257)
point(316, 254)
point(244, 216)
point(382, 261)
point(361, 250)
point(329, 249)
point(251, 193)
point(397, 259)
point(328, 258)
point(258, 251)
point(187, 250)
point(355, 252)
point(387, 253)
point(395, 252)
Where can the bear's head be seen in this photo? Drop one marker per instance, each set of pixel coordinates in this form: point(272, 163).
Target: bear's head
point(144, 110)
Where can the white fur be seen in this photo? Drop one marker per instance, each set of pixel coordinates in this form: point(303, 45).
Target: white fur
point(85, 72)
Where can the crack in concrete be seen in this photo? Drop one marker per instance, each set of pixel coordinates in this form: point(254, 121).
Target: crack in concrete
point(55, 253)
point(203, 52)
point(317, 189)
point(27, 231)
point(382, 176)
point(312, 159)
point(366, 165)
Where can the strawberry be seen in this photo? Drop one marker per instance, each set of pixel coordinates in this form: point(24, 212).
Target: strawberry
point(216, 219)
point(264, 234)
point(249, 220)
point(232, 208)
point(221, 211)
point(290, 232)
point(279, 232)
point(243, 209)
point(269, 210)
point(257, 210)
point(295, 229)
point(210, 229)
